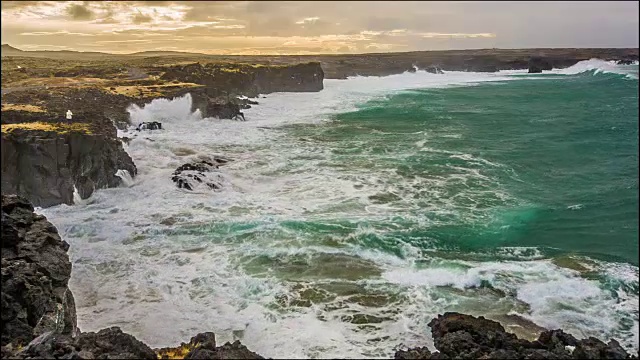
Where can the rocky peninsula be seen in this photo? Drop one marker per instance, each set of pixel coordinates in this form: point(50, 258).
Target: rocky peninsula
point(80, 155)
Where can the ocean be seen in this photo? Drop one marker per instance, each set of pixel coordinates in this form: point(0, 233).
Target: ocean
point(351, 217)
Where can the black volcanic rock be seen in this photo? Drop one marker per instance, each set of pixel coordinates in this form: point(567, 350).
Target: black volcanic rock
point(109, 343)
point(44, 166)
point(38, 309)
point(224, 79)
point(189, 175)
point(35, 274)
point(152, 125)
point(459, 336)
point(538, 64)
point(226, 110)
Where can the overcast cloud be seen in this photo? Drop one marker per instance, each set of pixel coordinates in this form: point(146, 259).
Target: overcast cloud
point(257, 27)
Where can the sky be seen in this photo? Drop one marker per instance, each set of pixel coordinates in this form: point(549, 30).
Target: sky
point(314, 27)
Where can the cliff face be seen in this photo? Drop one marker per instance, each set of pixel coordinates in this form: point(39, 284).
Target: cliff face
point(35, 274)
point(294, 78)
point(250, 80)
point(44, 161)
point(485, 60)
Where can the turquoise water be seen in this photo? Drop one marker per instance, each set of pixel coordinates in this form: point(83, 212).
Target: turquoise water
point(556, 161)
point(351, 217)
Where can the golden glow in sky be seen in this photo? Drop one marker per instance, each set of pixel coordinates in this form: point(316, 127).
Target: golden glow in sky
point(282, 27)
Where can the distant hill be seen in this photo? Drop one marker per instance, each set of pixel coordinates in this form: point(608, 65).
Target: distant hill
point(8, 50)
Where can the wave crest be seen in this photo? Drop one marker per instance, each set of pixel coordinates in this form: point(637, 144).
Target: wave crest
point(599, 66)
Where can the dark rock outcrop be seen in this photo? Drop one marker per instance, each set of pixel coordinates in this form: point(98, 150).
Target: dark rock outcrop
point(203, 346)
point(189, 175)
point(538, 64)
point(343, 66)
point(109, 343)
point(152, 125)
point(459, 336)
point(44, 165)
point(35, 274)
point(224, 79)
point(228, 110)
point(433, 70)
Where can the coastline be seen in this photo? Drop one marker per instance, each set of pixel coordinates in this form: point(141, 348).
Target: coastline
point(41, 321)
point(422, 354)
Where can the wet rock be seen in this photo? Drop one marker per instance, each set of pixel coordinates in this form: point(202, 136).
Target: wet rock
point(194, 174)
point(109, 343)
point(235, 350)
point(153, 125)
point(463, 336)
point(85, 186)
point(35, 274)
point(227, 110)
point(592, 348)
point(538, 64)
point(415, 353)
point(44, 166)
point(433, 70)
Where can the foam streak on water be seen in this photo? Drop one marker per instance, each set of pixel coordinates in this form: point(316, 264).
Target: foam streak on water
point(288, 254)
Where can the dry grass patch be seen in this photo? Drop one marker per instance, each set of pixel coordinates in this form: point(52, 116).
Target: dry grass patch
point(57, 81)
point(22, 107)
point(60, 128)
point(146, 90)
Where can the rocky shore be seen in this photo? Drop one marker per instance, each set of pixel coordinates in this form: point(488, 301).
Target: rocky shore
point(63, 157)
point(39, 314)
point(47, 158)
point(38, 309)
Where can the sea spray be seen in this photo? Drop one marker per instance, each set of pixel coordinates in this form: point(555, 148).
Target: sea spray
point(125, 176)
point(338, 232)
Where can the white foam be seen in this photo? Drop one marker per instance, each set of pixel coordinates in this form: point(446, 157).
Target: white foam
point(127, 179)
point(76, 196)
point(164, 283)
point(598, 66)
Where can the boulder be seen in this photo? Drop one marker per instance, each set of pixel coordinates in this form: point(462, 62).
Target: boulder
point(153, 125)
point(433, 70)
point(538, 64)
point(195, 174)
point(227, 110)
